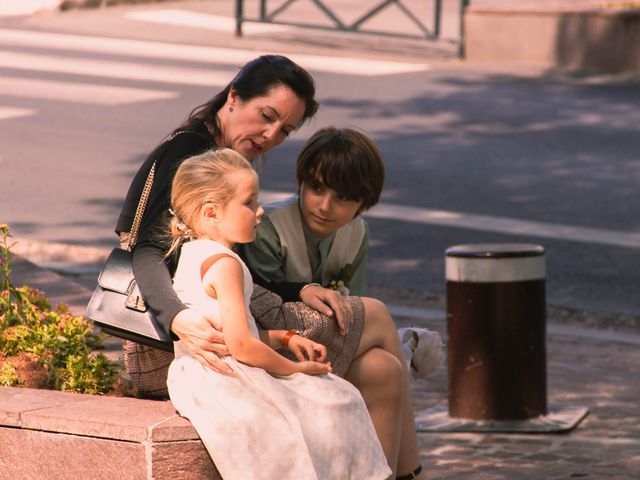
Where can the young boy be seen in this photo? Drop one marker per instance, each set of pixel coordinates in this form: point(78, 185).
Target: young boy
point(318, 236)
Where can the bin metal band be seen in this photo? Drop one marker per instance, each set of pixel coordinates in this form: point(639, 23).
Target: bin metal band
point(484, 270)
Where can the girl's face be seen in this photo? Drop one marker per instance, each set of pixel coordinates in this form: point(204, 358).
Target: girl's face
point(324, 210)
point(262, 123)
point(236, 221)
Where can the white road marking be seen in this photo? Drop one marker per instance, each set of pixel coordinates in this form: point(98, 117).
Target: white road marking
point(79, 92)
point(10, 112)
point(488, 223)
point(26, 7)
point(210, 55)
point(111, 69)
point(205, 21)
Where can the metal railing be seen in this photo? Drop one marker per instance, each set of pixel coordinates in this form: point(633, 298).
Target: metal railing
point(434, 32)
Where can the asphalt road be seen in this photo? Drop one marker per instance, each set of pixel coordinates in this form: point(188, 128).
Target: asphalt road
point(473, 153)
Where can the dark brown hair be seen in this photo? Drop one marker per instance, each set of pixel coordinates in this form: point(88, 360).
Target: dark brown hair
point(255, 79)
point(345, 160)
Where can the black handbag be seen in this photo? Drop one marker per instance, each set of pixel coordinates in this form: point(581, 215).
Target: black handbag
point(117, 306)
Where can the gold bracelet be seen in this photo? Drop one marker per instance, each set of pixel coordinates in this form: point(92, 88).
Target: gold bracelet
point(308, 285)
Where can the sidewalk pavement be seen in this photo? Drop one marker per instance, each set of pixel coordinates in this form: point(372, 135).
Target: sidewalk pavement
point(586, 367)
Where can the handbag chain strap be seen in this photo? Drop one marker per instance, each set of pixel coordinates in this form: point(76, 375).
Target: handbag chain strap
point(142, 204)
point(132, 237)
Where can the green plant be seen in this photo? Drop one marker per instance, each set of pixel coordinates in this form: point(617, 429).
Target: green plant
point(9, 376)
point(93, 374)
point(63, 343)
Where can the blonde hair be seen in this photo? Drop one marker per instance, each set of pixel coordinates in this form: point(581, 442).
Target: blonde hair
point(204, 178)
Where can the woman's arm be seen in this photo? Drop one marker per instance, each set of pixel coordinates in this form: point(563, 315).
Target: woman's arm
point(149, 266)
point(154, 280)
point(224, 280)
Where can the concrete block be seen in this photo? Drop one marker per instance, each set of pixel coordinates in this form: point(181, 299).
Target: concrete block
point(119, 418)
point(33, 455)
point(595, 40)
point(187, 460)
point(173, 429)
point(15, 402)
point(59, 435)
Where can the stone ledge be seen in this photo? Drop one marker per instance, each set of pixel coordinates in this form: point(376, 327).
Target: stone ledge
point(50, 434)
point(589, 38)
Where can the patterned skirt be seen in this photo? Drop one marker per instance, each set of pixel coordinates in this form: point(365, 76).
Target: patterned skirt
point(272, 314)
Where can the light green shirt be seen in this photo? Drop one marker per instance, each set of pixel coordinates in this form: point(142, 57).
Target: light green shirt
point(265, 255)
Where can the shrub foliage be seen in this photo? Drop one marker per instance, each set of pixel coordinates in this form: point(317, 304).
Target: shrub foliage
point(64, 344)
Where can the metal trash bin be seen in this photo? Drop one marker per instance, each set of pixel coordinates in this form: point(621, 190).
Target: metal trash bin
point(496, 324)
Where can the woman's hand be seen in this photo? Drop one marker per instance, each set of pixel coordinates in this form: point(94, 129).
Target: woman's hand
point(202, 337)
point(313, 368)
point(328, 302)
point(301, 346)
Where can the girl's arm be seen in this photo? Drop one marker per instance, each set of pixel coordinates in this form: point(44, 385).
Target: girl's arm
point(149, 267)
point(300, 346)
point(224, 281)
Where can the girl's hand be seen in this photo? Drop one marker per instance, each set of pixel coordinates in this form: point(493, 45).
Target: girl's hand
point(301, 346)
point(314, 368)
point(328, 302)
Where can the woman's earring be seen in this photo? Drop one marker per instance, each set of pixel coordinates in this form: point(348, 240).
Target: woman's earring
point(230, 108)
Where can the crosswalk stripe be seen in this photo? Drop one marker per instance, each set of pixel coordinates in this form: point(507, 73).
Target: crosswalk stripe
point(79, 92)
point(7, 113)
point(488, 223)
point(206, 21)
point(210, 55)
point(112, 69)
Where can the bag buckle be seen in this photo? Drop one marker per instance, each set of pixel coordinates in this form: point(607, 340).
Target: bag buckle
point(134, 300)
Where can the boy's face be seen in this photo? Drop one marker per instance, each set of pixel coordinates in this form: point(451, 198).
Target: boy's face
point(323, 209)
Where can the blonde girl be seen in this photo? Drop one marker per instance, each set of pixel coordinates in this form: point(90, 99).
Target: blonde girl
point(270, 418)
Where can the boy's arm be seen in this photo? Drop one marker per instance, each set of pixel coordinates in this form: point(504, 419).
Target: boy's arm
point(224, 279)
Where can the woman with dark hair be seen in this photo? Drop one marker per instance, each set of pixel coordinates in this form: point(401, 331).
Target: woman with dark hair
point(269, 98)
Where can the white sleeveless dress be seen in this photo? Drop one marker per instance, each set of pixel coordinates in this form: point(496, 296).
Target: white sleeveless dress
point(257, 426)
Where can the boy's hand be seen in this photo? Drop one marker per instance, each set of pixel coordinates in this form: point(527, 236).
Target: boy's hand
point(300, 346)
point(314, 368)
point(330, 303)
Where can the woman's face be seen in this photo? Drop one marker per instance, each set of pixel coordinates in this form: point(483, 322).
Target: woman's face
point(262, 123)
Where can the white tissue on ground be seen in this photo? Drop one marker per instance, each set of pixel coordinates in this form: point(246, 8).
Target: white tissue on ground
point(423, 349)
